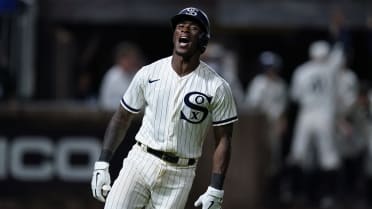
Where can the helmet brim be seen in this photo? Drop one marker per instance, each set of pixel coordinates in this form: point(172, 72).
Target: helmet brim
point(181, 17)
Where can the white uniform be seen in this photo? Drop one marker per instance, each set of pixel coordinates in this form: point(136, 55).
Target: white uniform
point(314, 88)
point(269, 96)
point(113, 86)
point(178, 112)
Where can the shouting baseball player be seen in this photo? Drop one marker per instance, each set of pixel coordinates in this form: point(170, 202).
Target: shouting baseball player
point(181, 97)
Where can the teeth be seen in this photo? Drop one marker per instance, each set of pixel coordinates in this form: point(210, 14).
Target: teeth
point(184, 39)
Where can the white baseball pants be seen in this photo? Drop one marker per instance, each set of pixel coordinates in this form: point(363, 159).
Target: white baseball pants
point(145, 181)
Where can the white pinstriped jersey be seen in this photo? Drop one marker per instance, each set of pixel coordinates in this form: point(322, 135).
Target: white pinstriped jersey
point(267, 95)
point(314, 83)
point(179, 110)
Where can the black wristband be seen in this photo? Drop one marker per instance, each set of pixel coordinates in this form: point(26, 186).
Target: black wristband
point(106, 155)
point(217, 180)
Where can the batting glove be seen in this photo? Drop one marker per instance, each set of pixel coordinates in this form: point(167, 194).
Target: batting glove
point(211, 199)
point(101, 181)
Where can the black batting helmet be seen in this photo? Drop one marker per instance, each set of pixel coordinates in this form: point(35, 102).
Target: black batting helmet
point(200, 17)
point(270, 60)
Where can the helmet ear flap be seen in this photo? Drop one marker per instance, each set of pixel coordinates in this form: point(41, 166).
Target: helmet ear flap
point(203, 41)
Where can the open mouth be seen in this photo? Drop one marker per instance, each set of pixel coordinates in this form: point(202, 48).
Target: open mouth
point(183, 41)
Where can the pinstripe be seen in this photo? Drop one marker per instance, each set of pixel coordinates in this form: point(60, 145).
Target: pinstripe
point(179, 112)
point(129, 190)
point(162, 129)
point(173, 189)
point(160, 113)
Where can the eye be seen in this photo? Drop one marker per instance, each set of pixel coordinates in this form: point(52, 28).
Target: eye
point(195, 28)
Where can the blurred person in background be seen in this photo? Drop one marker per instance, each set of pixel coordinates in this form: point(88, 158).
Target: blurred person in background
point(313, 87)
point(267, 93)
point(224, 62)
point(353, 134)
point(350, 137)
point(128, 60)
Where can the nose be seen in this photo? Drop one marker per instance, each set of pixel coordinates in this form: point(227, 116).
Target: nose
point(185, 28)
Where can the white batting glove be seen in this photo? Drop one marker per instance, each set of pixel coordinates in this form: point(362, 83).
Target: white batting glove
point(101, 181)
point(211, 199)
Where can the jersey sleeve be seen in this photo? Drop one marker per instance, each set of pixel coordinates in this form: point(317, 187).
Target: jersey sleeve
point(133, 99)
point(224, 108)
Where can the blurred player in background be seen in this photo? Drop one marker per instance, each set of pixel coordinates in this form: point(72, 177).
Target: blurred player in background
point(128, 60)
point(267, 93)
point(181, 97)
point(353, 136)
point(314, 89)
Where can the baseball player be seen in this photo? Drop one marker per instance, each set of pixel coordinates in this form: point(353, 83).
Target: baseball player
point(267, 93)
point(128, 59)
point(347, 94)
point(181, 97)
point(314, 87)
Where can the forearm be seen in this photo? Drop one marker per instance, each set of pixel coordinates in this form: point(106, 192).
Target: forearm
point(221, 156)
point(115, 133)
point(221, 159)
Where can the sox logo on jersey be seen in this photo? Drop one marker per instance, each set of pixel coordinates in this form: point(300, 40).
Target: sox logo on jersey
point(196, 101)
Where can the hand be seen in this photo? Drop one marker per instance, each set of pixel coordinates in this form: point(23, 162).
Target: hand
point(211, 199)
point(101, 181)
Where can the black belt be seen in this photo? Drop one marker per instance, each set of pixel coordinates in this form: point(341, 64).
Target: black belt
point(166, 156)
